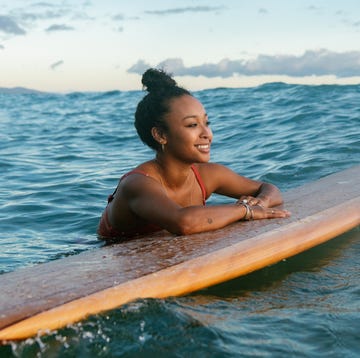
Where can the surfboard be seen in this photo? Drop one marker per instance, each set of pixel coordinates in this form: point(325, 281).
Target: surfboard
point(49, 296)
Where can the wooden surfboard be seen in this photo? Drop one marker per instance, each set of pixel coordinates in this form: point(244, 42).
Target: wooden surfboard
point(51, 295)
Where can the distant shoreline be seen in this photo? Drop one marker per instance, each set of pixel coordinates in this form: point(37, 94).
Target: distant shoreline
point(19, 90)
point(24, 90)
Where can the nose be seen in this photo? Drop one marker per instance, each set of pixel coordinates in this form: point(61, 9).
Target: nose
point(206, 132)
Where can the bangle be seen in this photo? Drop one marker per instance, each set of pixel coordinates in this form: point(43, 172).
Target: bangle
point(251, 213)
point(248, 214)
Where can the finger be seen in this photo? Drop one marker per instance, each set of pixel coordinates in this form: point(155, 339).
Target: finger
point(254, 201)
point(276, 213)
point(244, 199)
point(248, 200)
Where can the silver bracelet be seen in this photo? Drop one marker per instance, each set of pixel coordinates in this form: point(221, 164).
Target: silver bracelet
point(249, 214)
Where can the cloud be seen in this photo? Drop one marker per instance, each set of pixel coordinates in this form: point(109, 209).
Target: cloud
point(313, 8)
point(263, 11)
point(9, 26)
point(43, 4)
point(2, 47)
point(317, 63)
point(56, 64)
point(39, 11)
point(140, 67)
point(118, 17)
point(34, 16)
point(30, 16)
point(59, 27)
point(185, 9)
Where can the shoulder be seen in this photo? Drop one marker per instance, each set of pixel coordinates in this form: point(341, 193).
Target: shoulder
point(206, 169)
point(213, 175)
point(143, 170)
point(139, 178)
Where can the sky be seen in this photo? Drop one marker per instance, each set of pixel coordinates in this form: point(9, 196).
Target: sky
point(102, 45)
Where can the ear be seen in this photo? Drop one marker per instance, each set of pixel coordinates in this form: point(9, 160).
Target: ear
point(159, 135)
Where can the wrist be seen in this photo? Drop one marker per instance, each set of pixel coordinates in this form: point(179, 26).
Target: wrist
point(248, 211)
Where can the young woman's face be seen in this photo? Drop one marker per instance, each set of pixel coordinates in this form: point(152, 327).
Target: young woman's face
point(189, 136)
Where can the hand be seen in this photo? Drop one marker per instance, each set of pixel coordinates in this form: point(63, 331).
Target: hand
point(252, 201)
point(259, 212)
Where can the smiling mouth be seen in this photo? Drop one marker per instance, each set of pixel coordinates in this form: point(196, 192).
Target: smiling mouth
point(203, 147)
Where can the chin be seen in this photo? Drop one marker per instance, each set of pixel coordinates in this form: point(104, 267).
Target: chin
point(204, 159)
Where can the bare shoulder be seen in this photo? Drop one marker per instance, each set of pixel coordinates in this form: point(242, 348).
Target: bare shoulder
point(139, 181)
point(214, 175)
point(213, 169)
point(223, 180)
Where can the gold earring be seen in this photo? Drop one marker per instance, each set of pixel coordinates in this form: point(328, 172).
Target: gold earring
point(163, 147)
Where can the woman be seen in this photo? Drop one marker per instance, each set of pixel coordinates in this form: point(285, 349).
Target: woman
point(169, 192)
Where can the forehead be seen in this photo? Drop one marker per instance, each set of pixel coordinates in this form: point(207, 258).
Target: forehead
point(186, 105)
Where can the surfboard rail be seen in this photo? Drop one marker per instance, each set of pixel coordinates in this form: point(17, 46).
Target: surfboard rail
point(164, 265)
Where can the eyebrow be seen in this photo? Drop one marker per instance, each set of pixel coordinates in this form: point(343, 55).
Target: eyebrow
point(194, 116)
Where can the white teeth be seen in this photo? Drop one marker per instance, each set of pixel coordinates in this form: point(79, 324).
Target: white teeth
point(204, 146)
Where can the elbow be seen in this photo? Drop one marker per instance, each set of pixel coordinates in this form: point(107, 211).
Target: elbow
point(276, 202)
point(271, 194)
point(184, 226)
point(279, 201)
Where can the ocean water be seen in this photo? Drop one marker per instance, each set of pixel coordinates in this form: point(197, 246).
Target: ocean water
point(61, 155)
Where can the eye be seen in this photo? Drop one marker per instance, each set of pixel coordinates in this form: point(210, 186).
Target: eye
point(192, 125)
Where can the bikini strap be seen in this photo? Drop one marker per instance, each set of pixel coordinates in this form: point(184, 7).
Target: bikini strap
point(200, 181)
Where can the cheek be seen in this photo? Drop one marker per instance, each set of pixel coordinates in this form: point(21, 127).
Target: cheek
point(180, 137)
point(181, 143)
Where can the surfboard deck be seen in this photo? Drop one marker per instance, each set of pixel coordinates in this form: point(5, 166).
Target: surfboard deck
point(48, 296)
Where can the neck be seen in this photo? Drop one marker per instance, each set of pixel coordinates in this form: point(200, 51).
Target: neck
point(174, 174)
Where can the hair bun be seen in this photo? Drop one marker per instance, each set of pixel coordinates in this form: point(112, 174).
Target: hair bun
point(155, 80)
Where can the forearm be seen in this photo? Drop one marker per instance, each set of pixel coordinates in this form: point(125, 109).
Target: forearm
point(196, 219)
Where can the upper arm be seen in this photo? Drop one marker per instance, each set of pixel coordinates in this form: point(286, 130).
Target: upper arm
point(147, 199)
point(222, 180)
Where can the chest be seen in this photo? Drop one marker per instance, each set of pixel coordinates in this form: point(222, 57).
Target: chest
point(188, 195)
